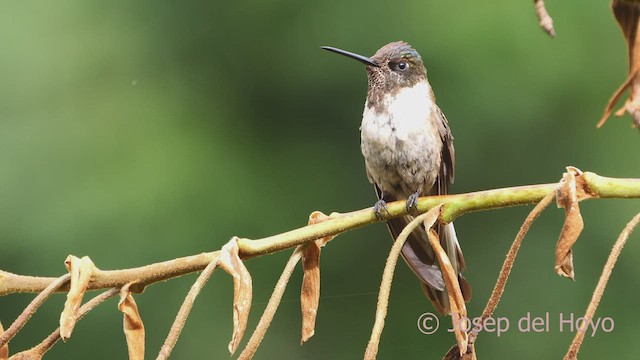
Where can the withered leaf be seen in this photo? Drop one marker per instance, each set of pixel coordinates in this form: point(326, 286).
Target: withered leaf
point(81, 271)
point(627, 14)
point(318, 217)
point(4, 350)
point(568, 194)
point(310, 292)
point(242, 290)
point(546, 22)
point(431, 217)
point(456, 299)
point(132, 324)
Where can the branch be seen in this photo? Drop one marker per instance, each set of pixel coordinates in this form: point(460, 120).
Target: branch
point(509, 261)
point(572, 353)
point(454, 206)
point(185, 309)
point(574, 187)
point(39, 350)
point(32, 307)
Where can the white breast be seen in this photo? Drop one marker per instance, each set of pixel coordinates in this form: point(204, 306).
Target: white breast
point(402, 144)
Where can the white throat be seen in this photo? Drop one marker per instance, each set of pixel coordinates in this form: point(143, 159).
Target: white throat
point(407, 112)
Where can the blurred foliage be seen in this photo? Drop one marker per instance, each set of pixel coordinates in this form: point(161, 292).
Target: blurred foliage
point(136, 132)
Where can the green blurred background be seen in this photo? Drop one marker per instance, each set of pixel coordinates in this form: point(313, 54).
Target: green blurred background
point(136, 132)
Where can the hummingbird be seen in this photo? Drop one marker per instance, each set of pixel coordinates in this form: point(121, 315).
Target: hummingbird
point(408, 152)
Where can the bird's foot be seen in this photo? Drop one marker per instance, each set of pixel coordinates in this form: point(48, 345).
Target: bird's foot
point(412, 203)
point(378, 207)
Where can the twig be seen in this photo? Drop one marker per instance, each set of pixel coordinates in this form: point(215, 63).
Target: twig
point(546, 22)
point(387, 278)
point(572, 353)
point(272, 306)
point(183, 313)
point(454, 206)
point(31, 309)
point(102, 279)
point(4, 349)
point(50, 340)
point(501, 283)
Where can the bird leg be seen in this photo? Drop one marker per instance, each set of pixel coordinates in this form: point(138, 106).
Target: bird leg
point(378, 207)
point(412, 203)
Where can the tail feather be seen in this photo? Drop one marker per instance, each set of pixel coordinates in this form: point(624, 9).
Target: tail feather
point(420, 257)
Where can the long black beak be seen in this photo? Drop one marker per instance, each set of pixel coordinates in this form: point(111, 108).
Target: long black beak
point(363, 59)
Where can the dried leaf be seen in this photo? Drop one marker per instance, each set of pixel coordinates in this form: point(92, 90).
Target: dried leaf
point(242, 290)
point(318, 217)
point(569, 192)
point(456, 299)
point(81, 271)
point(627, 14)
point(546, 23)
point(4, 350)
point(310, 293)
point(132, 323)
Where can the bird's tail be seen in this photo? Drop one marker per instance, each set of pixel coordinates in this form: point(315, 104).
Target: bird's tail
point(449, 241)
point(420, 257)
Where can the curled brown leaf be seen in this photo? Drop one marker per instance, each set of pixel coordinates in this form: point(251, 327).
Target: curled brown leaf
point(569, 193)
point(81, 270)
point(456, 300)
point(310, 293)
point(318, 217)
point(627, 14)
point(546, 22)
point(242, 290)
point(132, 324)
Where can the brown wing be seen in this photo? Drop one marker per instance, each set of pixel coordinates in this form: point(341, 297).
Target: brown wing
point(446, 175)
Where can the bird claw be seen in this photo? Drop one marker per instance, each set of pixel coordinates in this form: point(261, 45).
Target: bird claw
point(412, 203)
point(378, 207)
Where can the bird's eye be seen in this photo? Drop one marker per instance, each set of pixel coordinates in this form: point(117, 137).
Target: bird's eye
point(401, 66)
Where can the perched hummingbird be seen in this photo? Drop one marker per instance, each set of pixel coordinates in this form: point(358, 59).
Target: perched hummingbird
point(408, 153)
